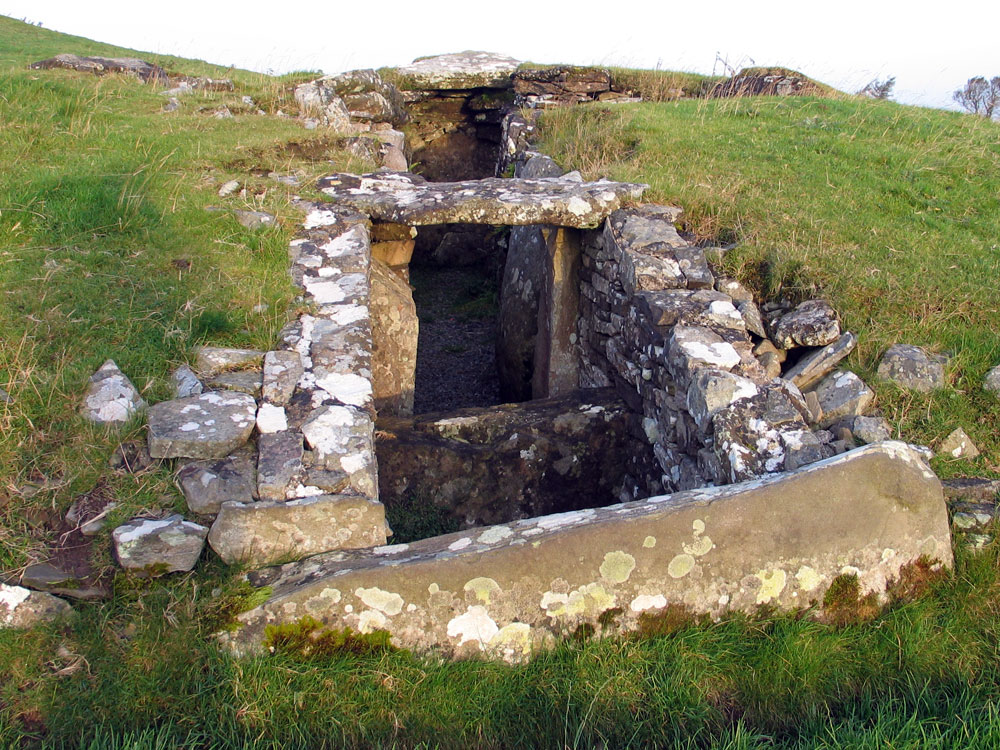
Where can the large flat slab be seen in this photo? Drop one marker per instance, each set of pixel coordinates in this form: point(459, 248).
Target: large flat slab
point(506, 590)
point(409, 199)
point(458, 71)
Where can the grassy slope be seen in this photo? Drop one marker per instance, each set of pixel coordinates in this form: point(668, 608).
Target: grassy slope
point(891, 211)
point(99, 194)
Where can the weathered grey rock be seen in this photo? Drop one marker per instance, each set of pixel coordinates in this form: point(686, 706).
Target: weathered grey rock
point(242, 381)
point(752, 318)
point(816, 365)
point(992, 382)
point(340, 438)
point(539, 165)
point(46, 577)
point(223, 113)
point(5, 398)
point(321, 104)
point(520, 292)
point(912, 367)
point(111, 397)
point(141, 69)
point(279, 464)
point(505, 591)
point(172, 105)
point(771, 364)
point(212, 360)
point(89, 524)
point(209, 425)
point(812, 323)
point(208, 484)
point(734, 289)
point(701, 307)
point(395, 328)
point(842, 394)
point(958, 445)
point(186, 383)
point(282, 372)
point(266, 533)
point(712, 390)
point(871, 429)
point(460, 70)
point(410, 199)
point(813, 407)
point(152, 547)
point(393, 158)
point(694, 347)
point(21, 608)
point(973, 490)
point(254, 219)
point(228, 188)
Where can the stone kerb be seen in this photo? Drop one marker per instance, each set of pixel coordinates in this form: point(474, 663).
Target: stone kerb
point(505, 591)
point(316, 475)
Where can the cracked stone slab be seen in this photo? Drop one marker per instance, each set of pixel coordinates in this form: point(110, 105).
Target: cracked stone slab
point(23, 608)
point(412, 200)
point(505, 591)
point(111, 397)
point(266, 533)
point(141, 69)
point(210, 425)
point(46, 577)
point(713, 390)
point(341, 438)
point(206, 485)
point(912, 367)
point(958, 445)
point(152, 547)
point(816, 365)
point(244, 381)
point(694, 347)
point(279, 463)
point(459, 71)
point(812, 323)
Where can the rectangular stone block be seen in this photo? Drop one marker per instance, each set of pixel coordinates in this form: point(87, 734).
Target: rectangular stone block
point(506, 591)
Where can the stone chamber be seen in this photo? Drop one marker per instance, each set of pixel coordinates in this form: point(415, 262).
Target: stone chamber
point(607, 428)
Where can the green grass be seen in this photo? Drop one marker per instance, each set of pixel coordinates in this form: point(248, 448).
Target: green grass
point(890, 211)
point(107, 252)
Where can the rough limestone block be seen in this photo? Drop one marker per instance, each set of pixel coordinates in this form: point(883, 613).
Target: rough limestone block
point(186, 383)
point(505, 591)
point(912, 367)
point(208, 484)
point(694, 347)
point(265, 533)
point(209, 425)
point(340, 437)
point(395, 327)
point(639, 272)
point(212, 360)
point(22, 608)
point(816, 365)
point(282, 371)
point(459, 71)
point(111, 396)
point(279, 463)
point(871, 429)
point(713, 390)
point(958, 445)
point(151, 547)
point(812, 323)
point(842, 394)
point(244, 381)
point(46, 577)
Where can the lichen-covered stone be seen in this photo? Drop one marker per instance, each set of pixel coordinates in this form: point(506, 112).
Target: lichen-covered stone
point(816, 365)
point(47, 577)
point(213, 360)
point(243, 381)
point(712, 390)
point(871, 429)
point(111, 397)
point(265, 533)
point(842, 394)
point(208, 484)
point(912, 367)
point(409, 199)
point(186, 383)
point(992, 381)
point(505, 591)
point(958, 445)
point(209, 425)
point(459, 71)
point(322, 104)
point(152, 547)
point(694, 347)
point(395, 328)
point(141, 69)
point(282, 371)
point(812, 323)
point(22, 608)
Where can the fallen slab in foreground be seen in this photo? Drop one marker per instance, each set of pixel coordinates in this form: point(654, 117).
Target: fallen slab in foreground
point(506, 590)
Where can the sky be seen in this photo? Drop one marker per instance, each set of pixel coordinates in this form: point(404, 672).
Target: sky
point(931, 48)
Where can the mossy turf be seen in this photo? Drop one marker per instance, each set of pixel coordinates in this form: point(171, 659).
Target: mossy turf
point(891, 212)
point(107, 251)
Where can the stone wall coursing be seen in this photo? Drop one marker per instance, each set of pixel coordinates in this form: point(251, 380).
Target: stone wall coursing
point(316, 471)
point(503, 463)
point(505, 591)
